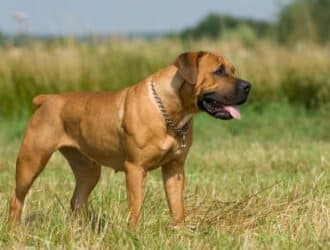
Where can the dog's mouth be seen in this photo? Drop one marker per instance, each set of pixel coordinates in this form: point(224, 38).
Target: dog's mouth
point(220, 110)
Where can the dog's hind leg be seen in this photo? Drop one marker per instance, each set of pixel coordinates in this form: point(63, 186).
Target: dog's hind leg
point(42, 137)
point(87, 174)
point(34, 153)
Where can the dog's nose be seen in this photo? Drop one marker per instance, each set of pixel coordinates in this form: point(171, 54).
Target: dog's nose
point(244, 86)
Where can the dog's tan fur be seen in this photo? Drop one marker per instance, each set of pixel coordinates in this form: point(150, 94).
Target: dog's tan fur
point(124, 130)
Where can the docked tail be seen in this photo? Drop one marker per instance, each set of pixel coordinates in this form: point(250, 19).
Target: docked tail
point(39, 99)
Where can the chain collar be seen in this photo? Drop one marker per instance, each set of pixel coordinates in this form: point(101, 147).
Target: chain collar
point(182, 132)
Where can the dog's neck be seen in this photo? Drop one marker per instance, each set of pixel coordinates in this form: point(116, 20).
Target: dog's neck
point(175, 94)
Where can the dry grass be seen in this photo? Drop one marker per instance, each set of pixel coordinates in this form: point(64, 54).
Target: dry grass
point(262, 182)
point(300, 74)
point(256, 184)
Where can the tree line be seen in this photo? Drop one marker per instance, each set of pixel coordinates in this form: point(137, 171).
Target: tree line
point(301, 20)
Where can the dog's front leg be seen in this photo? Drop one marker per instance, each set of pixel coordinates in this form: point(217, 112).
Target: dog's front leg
point(135, 180)
point(173, 176)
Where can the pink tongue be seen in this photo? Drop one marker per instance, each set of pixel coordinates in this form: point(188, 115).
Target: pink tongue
point(234, 111)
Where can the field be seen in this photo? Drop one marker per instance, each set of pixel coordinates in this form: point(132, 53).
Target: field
point(258, 183)
point(298, 75)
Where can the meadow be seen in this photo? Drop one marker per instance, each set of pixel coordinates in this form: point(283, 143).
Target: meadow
point(258, 183)
point(298, 74)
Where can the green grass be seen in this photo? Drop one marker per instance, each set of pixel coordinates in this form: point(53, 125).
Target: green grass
point(262, 182)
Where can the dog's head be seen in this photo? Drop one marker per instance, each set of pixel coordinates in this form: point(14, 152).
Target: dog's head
point(216, 90)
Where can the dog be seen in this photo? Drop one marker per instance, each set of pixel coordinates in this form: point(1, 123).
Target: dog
point(135, 130)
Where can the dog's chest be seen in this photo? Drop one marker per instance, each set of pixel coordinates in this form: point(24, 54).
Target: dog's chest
point(172, 149)
point(167, 150)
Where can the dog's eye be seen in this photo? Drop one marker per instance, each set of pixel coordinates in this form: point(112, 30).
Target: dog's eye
point(220, 71)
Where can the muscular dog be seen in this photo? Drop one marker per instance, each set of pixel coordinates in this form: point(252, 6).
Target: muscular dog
point(137, 129)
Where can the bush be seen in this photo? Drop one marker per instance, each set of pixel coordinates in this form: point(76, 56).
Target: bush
point(304, 20)
point(309, 89)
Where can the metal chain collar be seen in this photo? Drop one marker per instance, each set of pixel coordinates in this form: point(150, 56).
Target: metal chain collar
point(169, 122)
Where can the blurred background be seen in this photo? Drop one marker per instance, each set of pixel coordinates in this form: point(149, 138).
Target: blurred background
point(281, 46)
point(258, 183)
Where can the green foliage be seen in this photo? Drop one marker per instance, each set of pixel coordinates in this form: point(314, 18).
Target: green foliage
point(244, 33)
point(301, 20)
point(214, 26)
point(2, 38)
point(310, 89)
point(305, 20)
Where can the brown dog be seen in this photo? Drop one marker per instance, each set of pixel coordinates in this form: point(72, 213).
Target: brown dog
point(134, 130)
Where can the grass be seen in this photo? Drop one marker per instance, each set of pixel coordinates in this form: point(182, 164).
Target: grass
point(299, 74)
point(260, 183)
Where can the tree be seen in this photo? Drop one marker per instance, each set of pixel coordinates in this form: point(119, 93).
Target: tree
point(305, 20)
point(2, 38)
point(214, 26)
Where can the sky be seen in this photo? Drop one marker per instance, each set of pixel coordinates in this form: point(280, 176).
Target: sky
point(62, 17)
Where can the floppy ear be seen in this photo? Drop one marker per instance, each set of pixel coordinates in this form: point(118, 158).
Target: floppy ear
point(187, 64)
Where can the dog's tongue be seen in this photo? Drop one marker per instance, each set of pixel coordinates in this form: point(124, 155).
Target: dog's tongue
point(234, 111)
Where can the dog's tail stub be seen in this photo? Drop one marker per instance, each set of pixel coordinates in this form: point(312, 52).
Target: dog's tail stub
point(39, 99)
